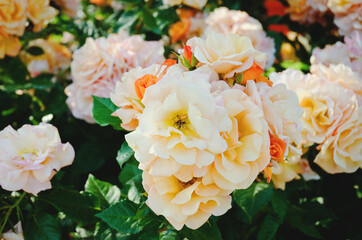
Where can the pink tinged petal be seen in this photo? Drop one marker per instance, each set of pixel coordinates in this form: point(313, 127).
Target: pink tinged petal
point(14, 180)
point(197, 220)
point(185, 195)
point(44, 174)
point(34, 186)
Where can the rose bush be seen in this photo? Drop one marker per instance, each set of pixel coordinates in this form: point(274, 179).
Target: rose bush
point(182, 119)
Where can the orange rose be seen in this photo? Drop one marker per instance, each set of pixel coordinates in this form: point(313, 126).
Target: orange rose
point(148, 80)
point(144, 82)
point(277, 148)
point(255, 73)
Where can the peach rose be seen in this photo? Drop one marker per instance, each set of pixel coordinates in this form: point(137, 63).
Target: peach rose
point(247, 152)
point(70, 7)
point(13, 16)
point(331, 115)
point(350, 20)
point(39, 12)
point(9, 45)
point(198, 4)
point(128, 94)
point(185, 202)
point(227, 21)
point(56, 57)
point(31, 156)
point(342, 152)
point(326, 104)
point(14, 235)
point(181, 121)
point(100, 63)
point(234, 53)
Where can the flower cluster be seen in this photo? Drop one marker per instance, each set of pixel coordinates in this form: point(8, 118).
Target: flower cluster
point(222, 20)
point(206, 126)
point(14, 15)
point(100, 63)
point(331, 99)
point(31, 156)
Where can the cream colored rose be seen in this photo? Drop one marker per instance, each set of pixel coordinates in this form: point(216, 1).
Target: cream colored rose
point(198, 4)
point(100, 63)
point(331, 116)
point(31, 156)
point(340, 53)
point(70, 7)
point(227, 21)
point(189, 203)
point(228, 54)
point(9, 45)
point(341, 6)
point(56, 57)
point(14, 235)
point(341, 153)
point(326, 105)
point(341, 74)
point(40, 13)
point(181, 121)
point(13, 16)
point(349, 21)
point(247, 152)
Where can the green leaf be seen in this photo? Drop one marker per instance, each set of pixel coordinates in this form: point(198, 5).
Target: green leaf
point(35, 50)
point(122, 217)
point(102, 110)
point(107, 193)
point(128, 172)
point(104, 232)
point(208, 231)
point(268, 228)
point(280, 203)
point(150, 21)
point(294, 65)
point(254, 198)
point(42, 227)
point(301, 219)
point(169, 235)
point(78, 206)
point(124, 154)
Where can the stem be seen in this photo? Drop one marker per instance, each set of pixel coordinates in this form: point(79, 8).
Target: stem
point(9, 212)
